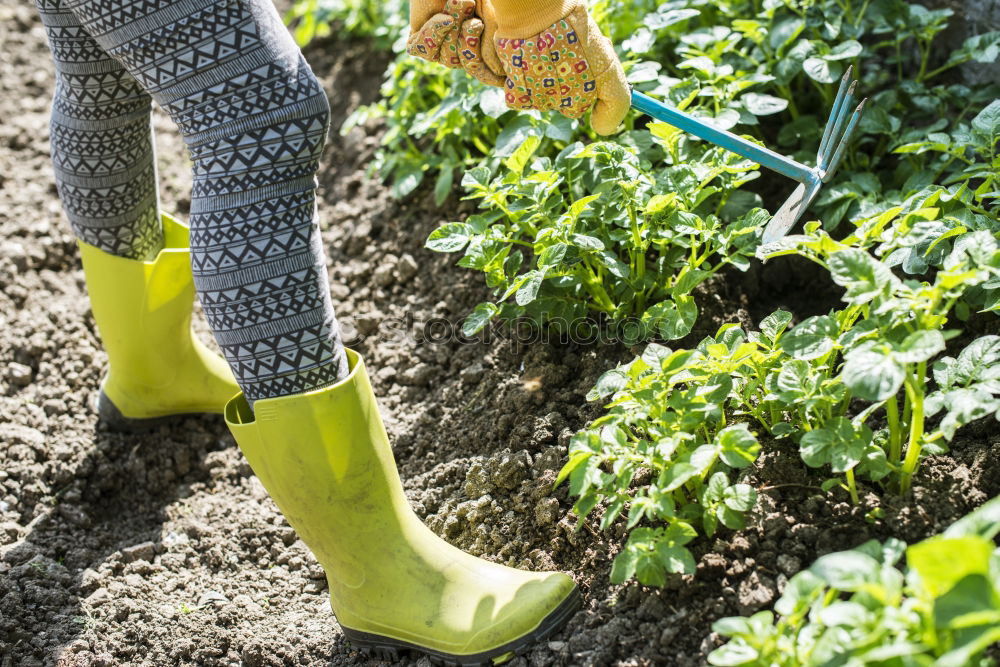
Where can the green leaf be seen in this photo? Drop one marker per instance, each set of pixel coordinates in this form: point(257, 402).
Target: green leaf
point(846, 570)
point(676, 475)
point(846, 613)
point(610, 382)
point(774, 324)
point(979, 361)
point(673, 318)
point(687, 280)
point(812, 338)
point(716, 487)
point(615, 266)
point(584, 242)
point(802, 589)
point(552, 255)
point(739, 447)
point(575, 459)
point(581, 205)
point(740, 497)
point(970, 602)
point(837, 443)
point(795, 381)
point(623, 567)
point(476, 177)
point(492, 102)
point(450, 237)
point(442, 187)
point(822, 70)
point(845, 50)
point(920, 346)
point(520, 157)
point(872, 372)
point(514, 134)
point(529, 290)
point(942, 561)
point(611, 513)
point(406, 179)
point(702, 458)
point(988, 120)
point(731, 626)
point(763, 105)
point(864, 276)
point(479, 318)
point(730, 518)
point(674, 559)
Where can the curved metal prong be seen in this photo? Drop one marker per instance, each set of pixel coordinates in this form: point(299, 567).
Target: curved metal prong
point(848, 133)
point(838, 102)
point(845, 110)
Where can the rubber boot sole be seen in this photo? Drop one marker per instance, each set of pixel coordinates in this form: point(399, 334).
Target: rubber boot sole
point(386, 648)
point(111, 418)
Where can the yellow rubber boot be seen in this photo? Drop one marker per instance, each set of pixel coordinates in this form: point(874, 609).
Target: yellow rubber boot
point(158, 368)
point(325, 459)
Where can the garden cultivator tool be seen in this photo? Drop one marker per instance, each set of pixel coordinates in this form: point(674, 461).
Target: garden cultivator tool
point(831, 150)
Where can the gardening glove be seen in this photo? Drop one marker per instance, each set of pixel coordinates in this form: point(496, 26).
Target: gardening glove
point(555, 57)
point(449, 33)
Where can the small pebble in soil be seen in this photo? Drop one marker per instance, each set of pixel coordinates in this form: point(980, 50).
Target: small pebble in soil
point(141, 551)
point(417, 376)
point(19, 374)
point(789, 564)
point(384, 275)
point(406, 268)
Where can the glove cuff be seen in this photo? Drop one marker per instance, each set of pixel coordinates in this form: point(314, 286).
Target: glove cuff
point(525, 18)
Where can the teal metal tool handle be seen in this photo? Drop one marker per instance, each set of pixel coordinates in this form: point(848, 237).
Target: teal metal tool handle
point(699, 128)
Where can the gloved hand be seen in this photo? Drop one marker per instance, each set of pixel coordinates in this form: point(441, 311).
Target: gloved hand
point(449, 33)
point(555, 57)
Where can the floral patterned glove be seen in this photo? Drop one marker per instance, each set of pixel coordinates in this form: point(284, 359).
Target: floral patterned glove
point(450, 34)
point(555, 57)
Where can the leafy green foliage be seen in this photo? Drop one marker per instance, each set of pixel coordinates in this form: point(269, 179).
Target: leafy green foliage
point(680, 414)
point(597, 231)
point(858, 607)
point(880, 346)
point(667, 426)
point(384, 21)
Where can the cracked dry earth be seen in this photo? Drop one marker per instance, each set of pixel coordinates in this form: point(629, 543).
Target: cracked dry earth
point(164, 549)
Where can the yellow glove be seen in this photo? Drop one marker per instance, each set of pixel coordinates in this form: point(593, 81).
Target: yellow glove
point(450, 34)
point(555, 57)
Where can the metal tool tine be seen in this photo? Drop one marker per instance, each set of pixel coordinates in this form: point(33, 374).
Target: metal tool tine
point(845, 111)
point(839, 154)
point(791, 211)
point(838, 102)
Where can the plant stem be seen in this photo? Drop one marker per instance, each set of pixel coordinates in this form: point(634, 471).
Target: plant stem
point(596, 290)
point(895, 434)
point(852, 487)
point(915, 397)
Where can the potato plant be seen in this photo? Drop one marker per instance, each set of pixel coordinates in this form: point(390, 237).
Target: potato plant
point(595, 231)
point(860, 607)
point(664, 452)
point(879, 349)
point(822, 383)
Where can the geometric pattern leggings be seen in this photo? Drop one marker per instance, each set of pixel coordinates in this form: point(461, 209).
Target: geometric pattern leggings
point(254, 119)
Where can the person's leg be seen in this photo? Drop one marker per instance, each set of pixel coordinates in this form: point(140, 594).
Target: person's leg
point(102, 149)
point(254, 119)
point(138, 269)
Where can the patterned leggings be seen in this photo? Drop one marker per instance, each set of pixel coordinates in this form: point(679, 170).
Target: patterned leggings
point(254, 119)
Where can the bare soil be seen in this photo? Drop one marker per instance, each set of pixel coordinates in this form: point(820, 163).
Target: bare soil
point(163, 548)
